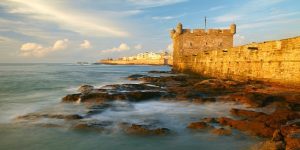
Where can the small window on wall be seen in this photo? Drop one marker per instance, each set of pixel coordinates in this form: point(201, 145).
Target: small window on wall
point(220, 44)
point(191, 44)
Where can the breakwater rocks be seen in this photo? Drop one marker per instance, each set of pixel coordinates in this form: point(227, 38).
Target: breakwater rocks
point(271, 112)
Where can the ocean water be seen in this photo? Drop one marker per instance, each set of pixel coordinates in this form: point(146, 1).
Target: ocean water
point(26, 88)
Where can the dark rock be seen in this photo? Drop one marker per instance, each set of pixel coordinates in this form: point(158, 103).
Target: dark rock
point(160, 72)
point(35, 116)
point(85, 89)
point(136, 76)
point(96, 109)
point(71, 98)
point(93, 125)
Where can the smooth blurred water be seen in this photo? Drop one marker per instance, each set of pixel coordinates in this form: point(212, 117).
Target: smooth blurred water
point(26, 88)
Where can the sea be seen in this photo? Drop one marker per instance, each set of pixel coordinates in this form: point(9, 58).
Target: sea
point(30, 88)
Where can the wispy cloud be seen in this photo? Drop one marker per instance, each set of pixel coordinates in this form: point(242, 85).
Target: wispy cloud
point(167, 17)
point(155, 3)
point(66, 19)
point(245, 10)
point(216, 8)
point(227, 18)
point(268, 23)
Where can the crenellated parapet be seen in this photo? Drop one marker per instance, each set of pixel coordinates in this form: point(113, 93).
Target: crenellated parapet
point(198, 32)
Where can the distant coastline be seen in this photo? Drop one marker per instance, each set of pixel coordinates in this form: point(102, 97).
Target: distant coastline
point(147, 58)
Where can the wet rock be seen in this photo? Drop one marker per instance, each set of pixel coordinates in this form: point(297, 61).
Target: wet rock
point(132, 87)
point(93, 125)
point(277, 136)
point(246, 113)
point(212, 84)
point(85, 89)
point(255, 99)
point(49, 125)
point(136, 76)
point(253, 127)
point(209, 120)
point(270, 145)
point(145, 95)
point(129, 92)
point(35, 116)
point(96, 109)
point(71, 98)
point(221, 131)
point(145, 130)
point(160, 72)
point(198, 125)
point(262, 124)
point(292, 143)
point(102, 97)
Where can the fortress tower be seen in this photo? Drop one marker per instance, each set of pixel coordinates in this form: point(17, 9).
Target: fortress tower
point(189, 42)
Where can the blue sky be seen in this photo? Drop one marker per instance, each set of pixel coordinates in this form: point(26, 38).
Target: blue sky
point(88, 30)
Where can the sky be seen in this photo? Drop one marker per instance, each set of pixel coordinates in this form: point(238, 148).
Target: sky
point(68, 31)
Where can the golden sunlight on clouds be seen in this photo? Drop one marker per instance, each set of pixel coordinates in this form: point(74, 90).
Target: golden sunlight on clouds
point(120, 48)
point(86, 44)
point(37, 50)
point(66, 18)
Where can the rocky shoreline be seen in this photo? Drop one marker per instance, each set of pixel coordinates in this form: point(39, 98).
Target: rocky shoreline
point(280, 125)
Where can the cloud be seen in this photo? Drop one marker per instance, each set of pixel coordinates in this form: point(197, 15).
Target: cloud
point(216, 8)
point(246, 10)
point(38, 50)
point(67, 19)
point(120, 48)
point(60, 45)
point(227, 18)
point(155, 3)
point(167, 17)
point(138, 47)
point(86, 44)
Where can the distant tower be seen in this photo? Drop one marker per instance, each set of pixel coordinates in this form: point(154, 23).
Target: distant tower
point(233, 28)
point(205, 22)
point(179, 28)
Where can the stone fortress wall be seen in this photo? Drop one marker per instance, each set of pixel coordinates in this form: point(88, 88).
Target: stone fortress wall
point(272, 61)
